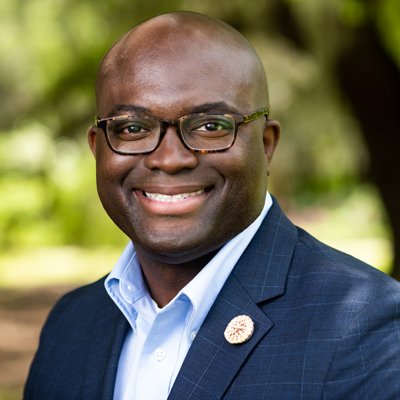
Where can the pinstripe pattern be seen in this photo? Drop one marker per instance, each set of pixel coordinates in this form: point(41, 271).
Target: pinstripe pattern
point(326, 327)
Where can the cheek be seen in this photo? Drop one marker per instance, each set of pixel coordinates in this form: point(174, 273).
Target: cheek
point(111, 172)
point(243, 168)
point(247, 163)
point(111, 167)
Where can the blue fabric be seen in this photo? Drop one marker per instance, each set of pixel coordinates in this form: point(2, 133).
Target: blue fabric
point(327, 326)
point(160, 338)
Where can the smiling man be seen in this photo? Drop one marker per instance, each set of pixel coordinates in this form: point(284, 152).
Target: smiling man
point(217, 294)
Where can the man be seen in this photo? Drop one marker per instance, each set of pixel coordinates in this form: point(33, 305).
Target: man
point(218, 295)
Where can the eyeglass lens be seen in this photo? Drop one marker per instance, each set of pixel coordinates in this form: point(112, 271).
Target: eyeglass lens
point(199, 132)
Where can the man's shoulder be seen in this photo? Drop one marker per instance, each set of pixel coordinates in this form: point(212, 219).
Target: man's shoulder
point(335, 269)
point(288, 260)
point(79, 304)
point(312, 262)
point(84, 294)
point(79, 329)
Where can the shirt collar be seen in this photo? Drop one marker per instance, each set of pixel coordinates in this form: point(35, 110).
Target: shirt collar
point(128, 274)
point(203, 289)
point(126, 283)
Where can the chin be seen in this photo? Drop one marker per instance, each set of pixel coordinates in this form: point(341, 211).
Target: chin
point(175, 249)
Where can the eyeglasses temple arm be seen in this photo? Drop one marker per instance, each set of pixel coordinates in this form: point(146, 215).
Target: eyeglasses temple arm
point(258, 114)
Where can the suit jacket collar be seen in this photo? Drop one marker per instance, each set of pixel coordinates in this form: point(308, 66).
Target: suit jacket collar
point(106, 339)
point(262, 270)
point(260, 275)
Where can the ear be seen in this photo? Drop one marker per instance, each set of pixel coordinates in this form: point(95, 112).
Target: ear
point(91, 135)
point(271, 138)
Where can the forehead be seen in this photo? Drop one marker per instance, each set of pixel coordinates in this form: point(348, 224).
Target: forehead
point(177, 71)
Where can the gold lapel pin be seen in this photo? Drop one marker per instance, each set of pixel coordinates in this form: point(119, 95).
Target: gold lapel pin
point(239, 330)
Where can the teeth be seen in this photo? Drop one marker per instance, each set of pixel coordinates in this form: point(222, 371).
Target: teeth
point(172, 198)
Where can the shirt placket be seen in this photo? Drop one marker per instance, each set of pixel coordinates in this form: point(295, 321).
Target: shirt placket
point(161, 351)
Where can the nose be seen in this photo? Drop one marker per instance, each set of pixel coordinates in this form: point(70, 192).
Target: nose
point(171, 155)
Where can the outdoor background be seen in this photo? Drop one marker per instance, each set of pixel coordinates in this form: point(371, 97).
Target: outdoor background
point(333, 69)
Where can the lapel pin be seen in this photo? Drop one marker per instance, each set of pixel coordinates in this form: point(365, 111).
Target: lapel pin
point(239, 330)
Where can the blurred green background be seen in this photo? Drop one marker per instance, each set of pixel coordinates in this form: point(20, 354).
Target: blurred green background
point(333, 70)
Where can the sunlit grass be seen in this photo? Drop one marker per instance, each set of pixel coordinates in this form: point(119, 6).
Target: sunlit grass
point(75, 266)
point(354, 225)
point(10, 393)
point(55, 265)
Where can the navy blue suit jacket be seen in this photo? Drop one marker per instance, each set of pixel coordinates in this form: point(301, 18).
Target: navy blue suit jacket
point(326, 327)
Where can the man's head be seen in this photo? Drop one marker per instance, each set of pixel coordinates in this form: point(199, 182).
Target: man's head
point(174, 203)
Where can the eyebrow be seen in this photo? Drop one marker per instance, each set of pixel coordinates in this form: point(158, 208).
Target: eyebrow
point(127, 108)
point(218, 107)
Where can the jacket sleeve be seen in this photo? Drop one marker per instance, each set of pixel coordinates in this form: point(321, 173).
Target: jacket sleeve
point(58, 340)
point(366, 363)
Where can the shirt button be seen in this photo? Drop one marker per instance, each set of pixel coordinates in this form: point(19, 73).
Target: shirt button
point(193, 335)
point(160, 354)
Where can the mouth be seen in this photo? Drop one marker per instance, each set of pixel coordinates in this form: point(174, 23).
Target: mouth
point(173, 201)
point(173, 198)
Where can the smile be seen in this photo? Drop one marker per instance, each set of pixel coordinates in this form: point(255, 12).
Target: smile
point(174, 197)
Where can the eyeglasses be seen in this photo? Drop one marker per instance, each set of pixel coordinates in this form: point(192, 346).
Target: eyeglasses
point(203, 133)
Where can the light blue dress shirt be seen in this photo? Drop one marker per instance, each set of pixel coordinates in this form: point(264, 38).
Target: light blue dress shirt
point(159, 338)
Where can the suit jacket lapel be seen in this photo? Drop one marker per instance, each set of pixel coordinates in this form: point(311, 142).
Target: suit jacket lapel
point(260, 274)
point(107, 336)
point(212, 362)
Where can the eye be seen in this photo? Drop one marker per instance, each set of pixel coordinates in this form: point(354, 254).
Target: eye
point(211, 126)
point(132, 128)
point(129, 128)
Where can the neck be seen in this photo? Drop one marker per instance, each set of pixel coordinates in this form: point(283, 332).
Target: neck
point(165, 280)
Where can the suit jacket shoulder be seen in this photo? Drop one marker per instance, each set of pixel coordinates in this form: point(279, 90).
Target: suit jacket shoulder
point(327, 326)
point(355, 314)
point(79, 347)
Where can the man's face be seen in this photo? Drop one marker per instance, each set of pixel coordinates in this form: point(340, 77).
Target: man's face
point(175, 204)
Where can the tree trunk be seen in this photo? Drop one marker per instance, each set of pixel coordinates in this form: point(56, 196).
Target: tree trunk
point(370, 82)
